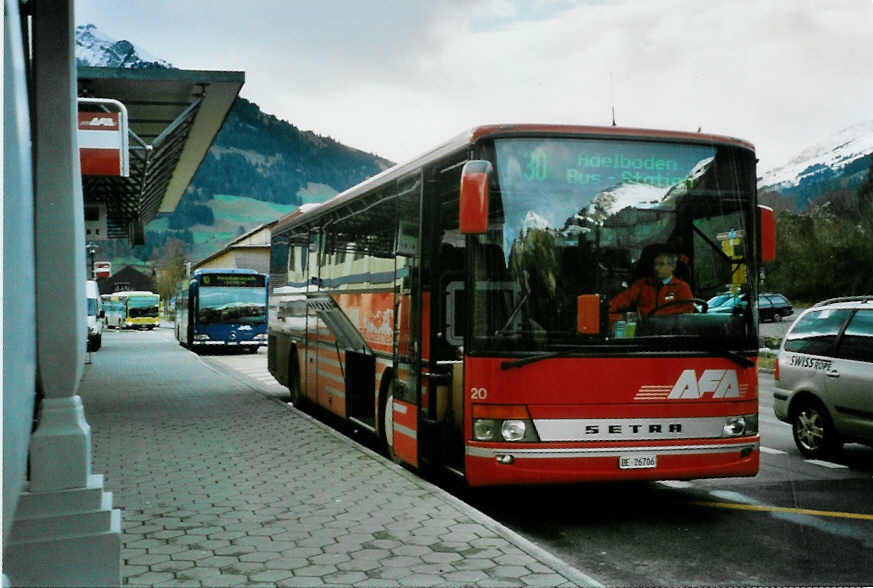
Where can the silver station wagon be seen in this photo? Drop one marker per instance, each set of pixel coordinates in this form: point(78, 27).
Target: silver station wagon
point(824, 377)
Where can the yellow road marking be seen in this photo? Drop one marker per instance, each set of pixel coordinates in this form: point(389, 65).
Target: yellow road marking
point(806, 511)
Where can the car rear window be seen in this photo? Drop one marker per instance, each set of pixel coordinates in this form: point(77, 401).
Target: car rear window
point(816, 332)
point(857, 341)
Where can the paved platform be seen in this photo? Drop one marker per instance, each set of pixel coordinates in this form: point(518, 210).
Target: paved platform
point(222, 485)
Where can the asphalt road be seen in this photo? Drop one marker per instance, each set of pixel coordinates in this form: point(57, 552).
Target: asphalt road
point(798, 522)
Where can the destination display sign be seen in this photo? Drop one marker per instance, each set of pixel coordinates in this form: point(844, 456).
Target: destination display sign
point(602, 164)
point(233, 280)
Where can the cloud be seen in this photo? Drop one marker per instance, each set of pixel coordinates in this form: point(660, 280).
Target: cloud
point(396, 77)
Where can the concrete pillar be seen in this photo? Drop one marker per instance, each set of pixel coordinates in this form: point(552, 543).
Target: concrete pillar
point(65, 531)
point(19, 339)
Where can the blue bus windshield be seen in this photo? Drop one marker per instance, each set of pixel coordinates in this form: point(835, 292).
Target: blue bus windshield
point(232, 305)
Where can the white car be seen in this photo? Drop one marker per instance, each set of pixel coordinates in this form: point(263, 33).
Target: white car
point(824, 376)
point(95, 316)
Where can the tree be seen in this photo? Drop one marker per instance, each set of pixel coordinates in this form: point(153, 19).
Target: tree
point(170, 267)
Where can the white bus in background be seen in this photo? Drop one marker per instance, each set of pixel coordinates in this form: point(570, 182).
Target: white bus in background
point(95, 316)
point(113, 306)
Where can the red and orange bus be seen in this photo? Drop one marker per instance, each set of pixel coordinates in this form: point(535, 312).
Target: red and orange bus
point(458, 305)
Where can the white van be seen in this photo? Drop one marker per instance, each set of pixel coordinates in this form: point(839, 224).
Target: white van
point(95, 316)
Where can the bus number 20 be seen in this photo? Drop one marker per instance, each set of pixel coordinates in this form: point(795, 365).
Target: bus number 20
point(478, 393)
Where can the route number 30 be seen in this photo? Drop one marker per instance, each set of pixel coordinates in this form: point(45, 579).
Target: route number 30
point(478, 393)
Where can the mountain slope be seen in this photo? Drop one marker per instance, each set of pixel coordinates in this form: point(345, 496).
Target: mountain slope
point(838, 161)
point(255, 155)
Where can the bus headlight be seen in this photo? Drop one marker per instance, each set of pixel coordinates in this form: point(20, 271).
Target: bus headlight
point(513, 430)
point(740, 426)
point(503, 422)
point(485, 429)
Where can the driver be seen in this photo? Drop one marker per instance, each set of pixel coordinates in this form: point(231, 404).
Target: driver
point(649, 293)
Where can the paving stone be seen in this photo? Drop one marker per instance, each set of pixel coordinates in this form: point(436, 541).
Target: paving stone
point(378, 583)
point(245, 568)
point(128, 553)
point(200, 573)
point(410, 550)
point(510, 571)
point(420, 580)
point(320, 570)
point(259, 556)
point(193, 555)
point(234, 550)
point(271, 576)
point(345, 578)
point(172, 566)
point(441, 557)
point(217, 561)
point(150, 579)
point(329, 558)
point(302, 552)
point(432, 569)
point(167, 549)
point(227, 580)
point(518, 559)
point(182, 582)
point(286, 563)
point(148, 559)
point(543, 580)
point(371, 554)
point(472, 563)
point(498, 583)
point(301, 581)
point(363, 565)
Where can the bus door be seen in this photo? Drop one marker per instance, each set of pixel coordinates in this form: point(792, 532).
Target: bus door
point(443, 320)
point(309, 385)
point(407, 329)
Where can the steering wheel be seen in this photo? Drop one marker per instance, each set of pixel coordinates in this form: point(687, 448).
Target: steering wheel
point(701, 302)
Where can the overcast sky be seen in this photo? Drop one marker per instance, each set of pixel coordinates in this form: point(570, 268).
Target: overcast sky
point(396, 77)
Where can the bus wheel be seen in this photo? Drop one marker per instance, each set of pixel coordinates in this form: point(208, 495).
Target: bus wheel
point(388, 423)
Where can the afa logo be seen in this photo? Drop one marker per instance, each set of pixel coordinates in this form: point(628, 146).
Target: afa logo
point(719, 383)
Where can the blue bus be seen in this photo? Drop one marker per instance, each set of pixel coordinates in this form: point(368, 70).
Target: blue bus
point(222, 308)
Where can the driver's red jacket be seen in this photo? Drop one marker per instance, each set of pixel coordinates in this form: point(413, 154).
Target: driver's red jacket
point(646, 294)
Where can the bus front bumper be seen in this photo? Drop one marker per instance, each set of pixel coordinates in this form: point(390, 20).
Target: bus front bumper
point(487, 464)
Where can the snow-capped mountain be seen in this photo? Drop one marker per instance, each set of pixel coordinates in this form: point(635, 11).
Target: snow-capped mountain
point(840, 160)
point(96, 49)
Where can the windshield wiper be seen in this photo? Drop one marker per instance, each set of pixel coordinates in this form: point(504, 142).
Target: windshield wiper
point(502, 330)
point(508, 365)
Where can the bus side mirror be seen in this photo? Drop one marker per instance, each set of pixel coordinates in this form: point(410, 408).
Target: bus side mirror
point(768, 233)
point(588, 314)
point(473, 213)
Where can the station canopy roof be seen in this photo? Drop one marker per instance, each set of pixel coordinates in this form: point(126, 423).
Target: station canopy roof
point(173, 117)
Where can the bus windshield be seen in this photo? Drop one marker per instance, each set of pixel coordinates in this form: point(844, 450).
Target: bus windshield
point(229, 304)
point(582, 216)
point(142, 306)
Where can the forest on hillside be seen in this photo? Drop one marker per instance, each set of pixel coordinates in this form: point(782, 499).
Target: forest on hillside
point(826, 250)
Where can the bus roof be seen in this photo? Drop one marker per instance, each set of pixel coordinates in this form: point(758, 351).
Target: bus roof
point(471, 136)
point(127, 293)
point(219, 270)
